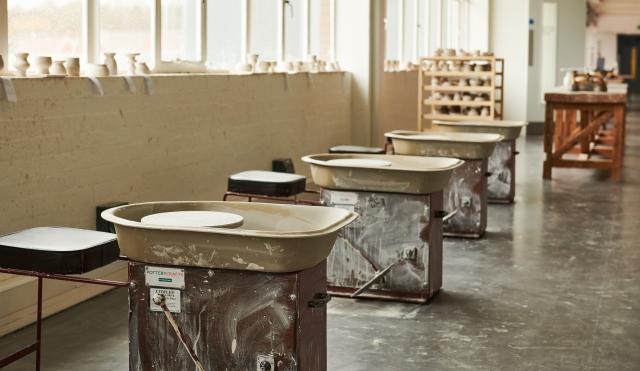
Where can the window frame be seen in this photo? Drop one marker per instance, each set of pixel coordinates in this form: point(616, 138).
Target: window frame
point(436, 34)
point(91, 34)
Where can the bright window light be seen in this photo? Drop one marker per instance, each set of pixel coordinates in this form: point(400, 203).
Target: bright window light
point(264, 29)
point(224, 33)
point(294, 21)
point(125, 27)
point(320, 29)
point(35, 27)
point(181, 27)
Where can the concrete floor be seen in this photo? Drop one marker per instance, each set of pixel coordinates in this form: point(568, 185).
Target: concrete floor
point(555, 285)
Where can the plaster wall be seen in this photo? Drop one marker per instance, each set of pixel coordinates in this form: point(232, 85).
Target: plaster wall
point(570, 51)
point(398, 103)
point(65, 149)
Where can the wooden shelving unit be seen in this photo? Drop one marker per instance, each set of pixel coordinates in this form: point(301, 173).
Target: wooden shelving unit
point(445, 102)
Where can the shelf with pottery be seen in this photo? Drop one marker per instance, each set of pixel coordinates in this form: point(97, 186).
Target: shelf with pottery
point(456, 85)
point(454, 89)
point(455, 117)
point(445, 102)
point(478, 74)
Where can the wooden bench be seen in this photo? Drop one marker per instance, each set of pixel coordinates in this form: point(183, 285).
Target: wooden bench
point(589, 125)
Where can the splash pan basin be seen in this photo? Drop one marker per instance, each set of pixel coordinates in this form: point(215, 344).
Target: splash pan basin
point(273, 237)
point(508, 129)
point(397, 174)
point(471, 146)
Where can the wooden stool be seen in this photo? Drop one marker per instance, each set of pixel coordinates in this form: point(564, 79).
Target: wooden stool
point(55, 253)
point(576, 123)
point(358, 149)
point(268, 185)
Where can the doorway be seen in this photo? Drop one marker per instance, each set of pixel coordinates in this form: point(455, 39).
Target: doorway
point(629, 60)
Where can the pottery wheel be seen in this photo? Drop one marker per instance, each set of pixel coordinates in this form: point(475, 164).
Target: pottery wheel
point(360, 162)
point(195, 219)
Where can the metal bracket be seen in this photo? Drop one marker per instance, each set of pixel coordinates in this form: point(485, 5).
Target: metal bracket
point(266, 362)
point(319, 300)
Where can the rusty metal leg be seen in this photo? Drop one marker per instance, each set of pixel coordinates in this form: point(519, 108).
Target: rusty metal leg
point(39, 325)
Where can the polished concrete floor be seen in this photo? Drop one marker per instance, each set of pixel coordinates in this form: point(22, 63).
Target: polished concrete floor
point(555, 285)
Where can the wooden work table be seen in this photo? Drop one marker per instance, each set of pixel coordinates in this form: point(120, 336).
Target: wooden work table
point(589, 126)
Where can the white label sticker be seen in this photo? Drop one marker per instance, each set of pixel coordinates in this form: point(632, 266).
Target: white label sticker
point(344, 198)
point(164, 277)
point(171, 299)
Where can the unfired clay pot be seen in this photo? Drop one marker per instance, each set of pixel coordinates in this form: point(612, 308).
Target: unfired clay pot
point(131, 60)
point(57, 69)
point(142, 69)
point(42, 65)
point(72, 65)
point(110, 61)
point(97, 70)
point(21, 64)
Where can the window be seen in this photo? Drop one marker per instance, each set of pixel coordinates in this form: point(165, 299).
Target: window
point(453, 28)
point(224, 33)
point(180, 30)
point(263, 35)
point(410, 17)
point(416, 28)
point(34, 27)
point(171, 35)
point(295, 12)
point(124, 28)
point(392, 26)
point(321, 29)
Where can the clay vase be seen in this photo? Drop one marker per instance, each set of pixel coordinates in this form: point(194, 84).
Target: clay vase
point(57, 69)
point(21, 64)
point(262, 67)
point(110, 61)
point(72, 65)
point(243, 67)
point(142, 69)
point(252, 59)
point(42, 65)
point(97, 70)
point(131, 59)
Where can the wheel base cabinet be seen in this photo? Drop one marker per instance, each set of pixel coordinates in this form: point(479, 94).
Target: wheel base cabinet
point(467, 197)
point(234, 320)
point(397, 236)
point(502, 173)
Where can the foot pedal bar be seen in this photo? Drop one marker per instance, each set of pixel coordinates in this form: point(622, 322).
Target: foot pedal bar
point(160, 300)
point(375, 277)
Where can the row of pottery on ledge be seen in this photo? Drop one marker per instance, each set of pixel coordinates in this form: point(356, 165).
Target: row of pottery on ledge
point(44, 66)
point(313, 64)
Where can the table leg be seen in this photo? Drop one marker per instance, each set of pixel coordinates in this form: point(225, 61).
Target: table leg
point(548, 141)
point(618, 151)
